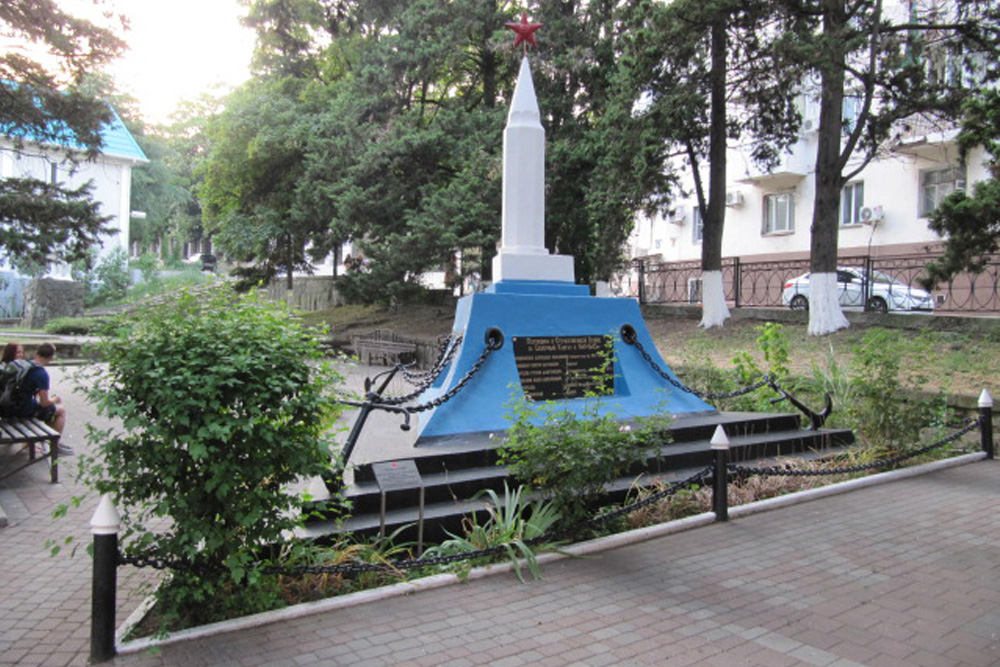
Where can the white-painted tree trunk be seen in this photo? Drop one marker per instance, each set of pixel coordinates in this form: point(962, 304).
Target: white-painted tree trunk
point(714, 311)
point(825, 315)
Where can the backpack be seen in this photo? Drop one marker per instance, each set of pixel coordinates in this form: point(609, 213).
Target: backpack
point(12, 376)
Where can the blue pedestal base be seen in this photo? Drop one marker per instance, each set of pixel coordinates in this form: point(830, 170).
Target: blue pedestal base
point(542, 309)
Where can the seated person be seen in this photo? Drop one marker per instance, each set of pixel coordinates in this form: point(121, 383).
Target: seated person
point(36, 401)
point(12, 351)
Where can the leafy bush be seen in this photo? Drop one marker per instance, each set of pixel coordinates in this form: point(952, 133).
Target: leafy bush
point(106, 280)
point(883, 418)
point(775, 350)
point(75, 326)
point(570, 457)
point(149, 267)
point(223, 403)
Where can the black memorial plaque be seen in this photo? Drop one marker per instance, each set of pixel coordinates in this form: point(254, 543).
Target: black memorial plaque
point(397, 475)
point(556, 367)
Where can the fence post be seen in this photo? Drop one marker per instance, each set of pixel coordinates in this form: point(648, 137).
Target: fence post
point(104, 526)
point(737, 282)
point(720, 487)
point(642, 281)
point(986, 427)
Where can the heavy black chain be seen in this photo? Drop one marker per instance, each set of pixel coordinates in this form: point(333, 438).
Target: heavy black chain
point(445, 353)
point(155, 561)
point(428, 377)
point(693, 480)
point(765, 381)
point(788, 471)
point(466, 379)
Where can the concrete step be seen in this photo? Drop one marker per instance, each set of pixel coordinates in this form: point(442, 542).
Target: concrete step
point(455, 471)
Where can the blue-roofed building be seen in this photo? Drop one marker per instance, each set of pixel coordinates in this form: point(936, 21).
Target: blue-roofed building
point(110, 172)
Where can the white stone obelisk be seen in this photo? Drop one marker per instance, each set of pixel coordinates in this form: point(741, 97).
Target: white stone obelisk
point(523, 255)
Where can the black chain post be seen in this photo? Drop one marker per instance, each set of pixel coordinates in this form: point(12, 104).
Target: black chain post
point(104, 526)
point(642, 281)
point(986, 419)
point(720, 476)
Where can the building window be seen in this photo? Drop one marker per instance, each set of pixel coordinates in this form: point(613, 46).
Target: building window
point(937, 184)
point(852, 200)
point(54, 173)
point(851, 110)
point(6, 165)
point(697, 225)
point(779, 214)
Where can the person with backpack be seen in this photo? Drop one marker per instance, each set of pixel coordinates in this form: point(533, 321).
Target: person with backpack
point(34, 399)
point(12, 351)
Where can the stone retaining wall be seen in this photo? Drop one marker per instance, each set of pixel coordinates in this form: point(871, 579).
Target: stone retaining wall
point(46, 299)
point(308, 293)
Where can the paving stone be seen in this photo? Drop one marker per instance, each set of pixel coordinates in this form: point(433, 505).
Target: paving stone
point(898, 574)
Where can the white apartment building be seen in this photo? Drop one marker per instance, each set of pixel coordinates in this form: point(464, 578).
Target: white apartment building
point(884, 209)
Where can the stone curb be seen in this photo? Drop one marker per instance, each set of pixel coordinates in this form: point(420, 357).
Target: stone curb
point(573, 551)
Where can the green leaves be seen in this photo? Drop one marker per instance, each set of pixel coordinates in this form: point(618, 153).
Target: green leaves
point(570, 458)
point(970, 223)
point(223, 402)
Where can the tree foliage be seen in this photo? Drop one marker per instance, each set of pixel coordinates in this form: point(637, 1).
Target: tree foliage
point(711, 76)
point(970, 222)
point(381, 123)
point(39, 221)
point(894, 63)
point(58, 102)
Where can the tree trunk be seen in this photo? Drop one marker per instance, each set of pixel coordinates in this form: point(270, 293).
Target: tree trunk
point(714, 310)
point(291, 262)
point(825, 314)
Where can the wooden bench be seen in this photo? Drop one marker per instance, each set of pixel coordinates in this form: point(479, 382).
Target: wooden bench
point(28, 433)
point(384, 347)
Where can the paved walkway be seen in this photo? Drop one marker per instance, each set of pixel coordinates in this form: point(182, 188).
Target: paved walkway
point(906, 573)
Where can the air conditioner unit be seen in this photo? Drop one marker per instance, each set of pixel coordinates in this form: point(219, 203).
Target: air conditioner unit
point(694, 290)
point(871, 214)
point(676, 218)
point(734, 198)
point(808, 125)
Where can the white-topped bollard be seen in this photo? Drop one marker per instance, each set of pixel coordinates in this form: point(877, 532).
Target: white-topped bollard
point(104, 526)
point(986, 422)
point(720, 477)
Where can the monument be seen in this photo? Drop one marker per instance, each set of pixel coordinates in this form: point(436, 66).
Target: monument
point(534, 333)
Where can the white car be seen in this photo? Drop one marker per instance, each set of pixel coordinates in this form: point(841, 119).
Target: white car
point(885, 294)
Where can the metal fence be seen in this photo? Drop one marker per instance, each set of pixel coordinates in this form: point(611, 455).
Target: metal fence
point(869, 283)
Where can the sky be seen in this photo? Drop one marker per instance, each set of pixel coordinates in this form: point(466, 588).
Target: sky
point(178, 49)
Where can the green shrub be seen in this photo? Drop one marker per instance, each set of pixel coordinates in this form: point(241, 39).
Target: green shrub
point(106, 280)
point(75, 326)
point(149, 266)
point(223, 403)
point(570, 457)
point(883, 417)
point(775, 351)
point(112, 276)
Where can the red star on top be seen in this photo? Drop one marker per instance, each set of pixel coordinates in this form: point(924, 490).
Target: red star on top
point(525, 31)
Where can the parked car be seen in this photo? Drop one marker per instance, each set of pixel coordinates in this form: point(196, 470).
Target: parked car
point(208, 261)
point(885, 294)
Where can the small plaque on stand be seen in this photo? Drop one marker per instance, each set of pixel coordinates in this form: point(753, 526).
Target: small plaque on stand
point(400, 475)
point(397, 475)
